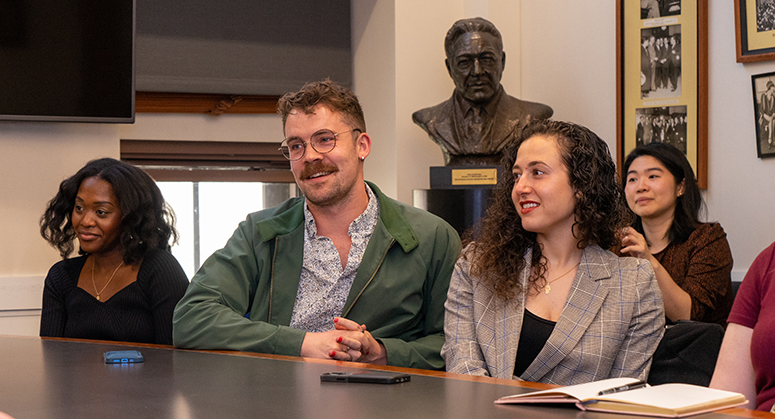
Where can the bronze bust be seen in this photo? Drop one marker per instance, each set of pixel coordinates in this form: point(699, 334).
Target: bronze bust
point(476, 124)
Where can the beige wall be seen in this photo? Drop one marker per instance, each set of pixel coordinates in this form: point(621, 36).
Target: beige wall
point(35, 157)
point(398, 48)
point(560, 53)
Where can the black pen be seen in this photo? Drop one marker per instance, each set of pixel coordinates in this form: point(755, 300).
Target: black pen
point(632, 386)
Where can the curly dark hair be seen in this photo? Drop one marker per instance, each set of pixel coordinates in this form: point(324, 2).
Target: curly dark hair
point(329, 93)
point(689, 207)
point(497, 251)
point(147, 221)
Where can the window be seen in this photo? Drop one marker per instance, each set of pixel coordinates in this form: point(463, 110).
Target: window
point(212, 187)
point(208, 213)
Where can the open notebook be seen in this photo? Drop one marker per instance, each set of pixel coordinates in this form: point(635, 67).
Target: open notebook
point(666, 400)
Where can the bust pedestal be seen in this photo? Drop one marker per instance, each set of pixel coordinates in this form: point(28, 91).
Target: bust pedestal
point(458, 194)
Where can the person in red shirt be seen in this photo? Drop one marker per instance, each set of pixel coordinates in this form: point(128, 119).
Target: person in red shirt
point(745, 363)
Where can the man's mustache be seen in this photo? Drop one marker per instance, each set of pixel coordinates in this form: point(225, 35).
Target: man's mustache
point(317, 167)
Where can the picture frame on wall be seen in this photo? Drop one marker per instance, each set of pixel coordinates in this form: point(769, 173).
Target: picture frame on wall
point(754, 30)
point(764, 113)
point(662, 78)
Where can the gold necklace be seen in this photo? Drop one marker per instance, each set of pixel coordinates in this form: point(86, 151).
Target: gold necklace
point(547, 288)
point(94, 262)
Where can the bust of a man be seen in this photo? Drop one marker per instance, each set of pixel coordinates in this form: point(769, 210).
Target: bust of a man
point(476, 124)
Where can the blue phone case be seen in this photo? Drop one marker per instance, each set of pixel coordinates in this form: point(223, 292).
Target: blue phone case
point(122, 357)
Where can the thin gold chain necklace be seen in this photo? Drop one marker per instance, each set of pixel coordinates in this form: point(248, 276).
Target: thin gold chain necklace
point(547, 288)
point(94, 262)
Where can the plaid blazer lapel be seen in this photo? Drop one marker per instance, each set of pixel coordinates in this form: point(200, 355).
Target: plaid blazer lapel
point(585, 298)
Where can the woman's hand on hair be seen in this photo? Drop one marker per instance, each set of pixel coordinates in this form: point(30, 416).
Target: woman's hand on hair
point(634, 244)
point(678, 303)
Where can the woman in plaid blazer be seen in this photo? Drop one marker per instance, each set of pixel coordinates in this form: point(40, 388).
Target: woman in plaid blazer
point(535, 296)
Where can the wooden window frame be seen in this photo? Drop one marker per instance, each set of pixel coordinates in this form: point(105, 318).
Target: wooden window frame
point(208, 161)
point(205, 103)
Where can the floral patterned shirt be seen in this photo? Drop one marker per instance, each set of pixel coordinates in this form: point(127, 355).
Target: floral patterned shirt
point(324, 285)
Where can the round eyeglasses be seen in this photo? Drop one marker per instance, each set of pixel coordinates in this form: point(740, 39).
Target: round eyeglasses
point(322, 141)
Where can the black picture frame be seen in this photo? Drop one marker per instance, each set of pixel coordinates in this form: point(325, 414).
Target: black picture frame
point(764, 106)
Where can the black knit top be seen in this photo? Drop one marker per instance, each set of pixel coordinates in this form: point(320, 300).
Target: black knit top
point(140, 312)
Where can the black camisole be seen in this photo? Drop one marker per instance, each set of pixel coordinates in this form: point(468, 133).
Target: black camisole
point(535, 333)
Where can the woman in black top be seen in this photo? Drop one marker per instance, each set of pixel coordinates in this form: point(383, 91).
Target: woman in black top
point(125, 284)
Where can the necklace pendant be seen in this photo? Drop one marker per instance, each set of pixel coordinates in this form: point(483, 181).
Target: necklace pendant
point(98, 296)
point(547, 288)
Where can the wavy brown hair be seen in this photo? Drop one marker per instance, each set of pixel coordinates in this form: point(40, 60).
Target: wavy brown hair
point(497, 251)
point(328, 93)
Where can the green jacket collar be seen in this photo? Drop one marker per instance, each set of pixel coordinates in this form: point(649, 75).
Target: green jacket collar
point(290, 215)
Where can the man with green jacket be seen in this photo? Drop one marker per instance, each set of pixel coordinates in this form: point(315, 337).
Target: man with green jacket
point(343, 273)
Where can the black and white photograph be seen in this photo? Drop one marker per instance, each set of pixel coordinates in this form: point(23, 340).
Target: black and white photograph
point(764, 111)
point(660, 62)
point(662, 125)
point(650, 9)
point(765, 15)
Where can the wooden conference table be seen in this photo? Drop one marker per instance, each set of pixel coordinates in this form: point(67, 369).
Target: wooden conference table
point(59, 378)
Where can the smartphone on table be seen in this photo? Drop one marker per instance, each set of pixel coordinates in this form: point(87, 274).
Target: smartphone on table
point(122, 357)
point(374, 377)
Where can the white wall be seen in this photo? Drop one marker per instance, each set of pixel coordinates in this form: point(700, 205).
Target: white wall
point(559, 52)
point(739, 193)
point(374, 79)
point(569, 61)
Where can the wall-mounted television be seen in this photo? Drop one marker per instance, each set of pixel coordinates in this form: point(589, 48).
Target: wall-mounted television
point(67, 60)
